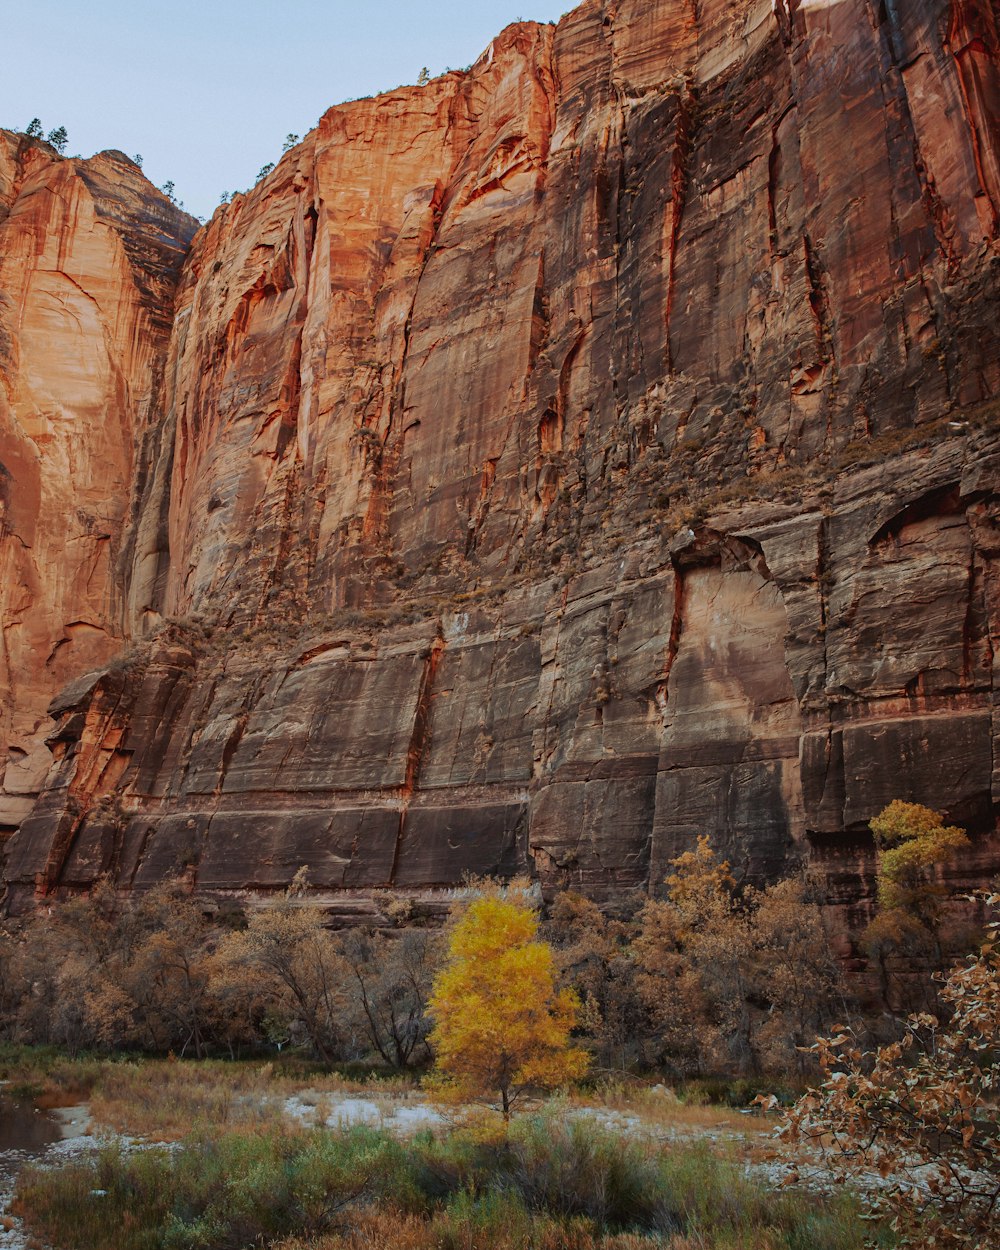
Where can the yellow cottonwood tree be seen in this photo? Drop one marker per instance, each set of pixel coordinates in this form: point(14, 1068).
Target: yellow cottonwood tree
point(500, 1024)
point(912, 841)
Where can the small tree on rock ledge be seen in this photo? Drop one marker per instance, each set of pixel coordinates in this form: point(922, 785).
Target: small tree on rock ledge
point(912, 844)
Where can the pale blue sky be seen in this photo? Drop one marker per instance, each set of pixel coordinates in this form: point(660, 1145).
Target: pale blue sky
point(207, 92)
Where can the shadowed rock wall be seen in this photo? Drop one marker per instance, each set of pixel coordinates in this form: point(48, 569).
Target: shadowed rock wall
point(564, 459)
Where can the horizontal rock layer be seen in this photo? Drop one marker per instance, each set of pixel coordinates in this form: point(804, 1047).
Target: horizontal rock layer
point(773, 681)
point(564, 459)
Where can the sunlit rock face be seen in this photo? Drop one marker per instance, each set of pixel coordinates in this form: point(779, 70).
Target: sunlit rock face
point(90, 255)
point(561, 460)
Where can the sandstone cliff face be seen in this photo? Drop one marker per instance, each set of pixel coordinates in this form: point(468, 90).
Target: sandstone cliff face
point(565, 459)
point(89, 258)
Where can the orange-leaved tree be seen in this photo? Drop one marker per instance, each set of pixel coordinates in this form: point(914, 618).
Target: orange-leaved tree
point(500, 1024)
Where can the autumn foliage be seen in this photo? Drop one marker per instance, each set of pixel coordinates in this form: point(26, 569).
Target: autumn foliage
point(733, 979)
point(922, 1111)
point(500, 1024)
point(913, 846)
point(153, 974)
point(912, 840)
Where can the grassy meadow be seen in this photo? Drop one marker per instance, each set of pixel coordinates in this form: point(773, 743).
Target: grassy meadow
point(551, 1180)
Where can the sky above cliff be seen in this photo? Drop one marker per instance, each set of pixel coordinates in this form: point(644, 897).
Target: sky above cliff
point(206, 92)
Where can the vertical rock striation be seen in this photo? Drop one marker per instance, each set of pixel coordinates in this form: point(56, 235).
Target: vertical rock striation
point(89, 259)
point(574, 455)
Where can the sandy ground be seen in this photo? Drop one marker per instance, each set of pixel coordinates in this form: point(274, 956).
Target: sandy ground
point(401, 1114)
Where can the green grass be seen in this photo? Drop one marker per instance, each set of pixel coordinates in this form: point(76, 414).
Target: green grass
point(554, 1182)
point(48, 1074)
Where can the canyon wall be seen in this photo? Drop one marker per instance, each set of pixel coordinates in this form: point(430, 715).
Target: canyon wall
point(90, 255)
point(577, 454)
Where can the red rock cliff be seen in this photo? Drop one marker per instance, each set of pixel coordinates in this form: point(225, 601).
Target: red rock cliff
point(567, 458)
point(89, 259)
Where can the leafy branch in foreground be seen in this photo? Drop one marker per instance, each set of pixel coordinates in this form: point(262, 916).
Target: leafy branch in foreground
point(922, 1112)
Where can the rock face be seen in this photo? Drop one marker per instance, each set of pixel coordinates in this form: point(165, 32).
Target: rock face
point(556, 462)
point(90, 255)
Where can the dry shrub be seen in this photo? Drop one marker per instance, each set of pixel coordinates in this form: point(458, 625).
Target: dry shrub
point(497, 1228)
point(170, 1100)
point(922, 1112)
